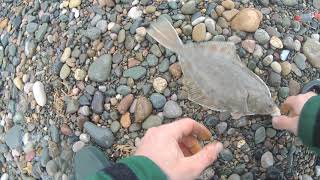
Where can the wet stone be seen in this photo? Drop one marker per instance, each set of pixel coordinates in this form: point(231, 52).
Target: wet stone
point(98, 102)
point(157, 100)
point(135, 73)
point(226, 155)
point(72, 106)
point(123, 90)
point(13, 137)
point(260, 135)
point(172, 110)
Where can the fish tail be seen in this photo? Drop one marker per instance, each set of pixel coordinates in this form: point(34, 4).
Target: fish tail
point(163, 32)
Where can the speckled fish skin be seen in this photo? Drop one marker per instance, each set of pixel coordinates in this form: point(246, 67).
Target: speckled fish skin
point(214, 75)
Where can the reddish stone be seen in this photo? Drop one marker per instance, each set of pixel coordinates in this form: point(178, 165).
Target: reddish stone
point(65, 130)
point(132, 62)
point(30, 155)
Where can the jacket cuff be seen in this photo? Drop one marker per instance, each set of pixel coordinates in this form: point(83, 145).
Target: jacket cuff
point(144, 168)
point(308, 121)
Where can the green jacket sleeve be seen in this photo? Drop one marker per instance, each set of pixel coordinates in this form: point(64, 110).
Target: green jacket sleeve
point(131, 168)
point(309, 124)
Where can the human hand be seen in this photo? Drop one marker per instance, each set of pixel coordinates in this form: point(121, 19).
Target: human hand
point(292, 106)
point(175, 149)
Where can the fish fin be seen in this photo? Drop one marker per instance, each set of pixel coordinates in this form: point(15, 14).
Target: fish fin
point(236, 116)
point(163, 32)
point(195, 94)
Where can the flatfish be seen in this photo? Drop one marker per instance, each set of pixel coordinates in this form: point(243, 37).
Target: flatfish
point(214, 75)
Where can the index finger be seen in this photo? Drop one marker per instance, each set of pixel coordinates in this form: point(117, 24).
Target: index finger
point(288, 106)
point(185, 127)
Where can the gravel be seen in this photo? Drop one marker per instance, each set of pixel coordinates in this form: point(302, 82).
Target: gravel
point(78, 72)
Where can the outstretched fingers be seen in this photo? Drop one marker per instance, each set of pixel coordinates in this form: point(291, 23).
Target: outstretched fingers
point(185, 127)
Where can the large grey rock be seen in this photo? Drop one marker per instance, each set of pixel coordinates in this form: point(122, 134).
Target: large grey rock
point(51, 168)
point(226, 155)
point(316, 4)
point(152, 121)
point(311, 49)
point(102, 136)
point(158, 100)
point(13, 137)
point(274, 79)
point(260, 135)
point(234, 177)
point(31, 27)
point(92, 33)
point(262, 36)
point(221, 127)
point(42, 30)
point(172, 110)
point(54, 133)
point(100, 69)
point(72, 106)
point(300, 60)
point(30, 46)
point(98, 102)
point(135, 73)
point(290, 2)
point(189, 8)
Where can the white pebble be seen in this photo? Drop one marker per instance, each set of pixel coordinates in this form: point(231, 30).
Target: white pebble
point(198, 20)
point(113, 36)
point(135, 2)
point(137, 141)
point(174, 97)
point(84, 138)
point(5, 176)
point(159, 84)
point(139, 38)
point(297, 45)
point(284, 54)
point(315, 37)
point(77, 133)
point(61, 5)
point(65, 177)
point(134, 13)
point(15, 153)
point(208, 36)
point(77, 146)
point(39, 93)
point(26, 138)
point(141, 31)
point(76, 12)
point(64, 11)
point(102, 88)
point(137, 47)
point(2, 122)
point(84, 110)
point(25, 78)
point(111, 25)
point(210, 25)
point(276, 67)
point(28, 148)
point(118, 96)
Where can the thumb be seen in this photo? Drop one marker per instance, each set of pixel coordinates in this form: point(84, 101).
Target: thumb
point(286, 123)
point(199, 161)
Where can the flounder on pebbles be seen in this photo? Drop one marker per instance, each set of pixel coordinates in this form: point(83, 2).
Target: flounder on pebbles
point(214, 75)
